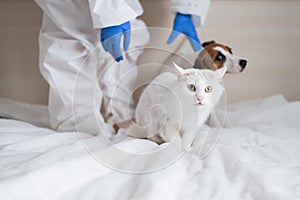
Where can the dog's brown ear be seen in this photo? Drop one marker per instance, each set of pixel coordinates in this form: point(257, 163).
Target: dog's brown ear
point(207, 43)
point(204, 61)
point(229, 49)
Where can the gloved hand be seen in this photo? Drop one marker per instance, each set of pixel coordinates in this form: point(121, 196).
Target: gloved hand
point(183, 24)
point(111, 38)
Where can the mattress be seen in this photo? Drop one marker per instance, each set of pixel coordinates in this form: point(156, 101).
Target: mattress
point(257, 156)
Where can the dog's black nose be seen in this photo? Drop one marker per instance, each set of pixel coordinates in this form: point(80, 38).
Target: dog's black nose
point(243, 63)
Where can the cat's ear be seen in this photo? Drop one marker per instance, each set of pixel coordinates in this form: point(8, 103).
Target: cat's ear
point(178, 69)
point(183, 72)
point(221, 72)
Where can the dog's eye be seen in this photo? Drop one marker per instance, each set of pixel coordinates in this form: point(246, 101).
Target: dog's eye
point(191, 87)
point(220, 57)
point(208, 89)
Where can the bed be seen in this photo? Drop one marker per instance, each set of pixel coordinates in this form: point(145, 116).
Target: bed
point(256, 157)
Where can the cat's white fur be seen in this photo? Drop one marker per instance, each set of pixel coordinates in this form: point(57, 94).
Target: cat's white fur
point(169, 111)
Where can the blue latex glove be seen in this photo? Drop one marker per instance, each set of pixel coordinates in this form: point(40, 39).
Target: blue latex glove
point(183, 24)
point(111, 39)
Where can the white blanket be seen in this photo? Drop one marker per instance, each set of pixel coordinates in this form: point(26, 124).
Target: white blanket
point(257, 157)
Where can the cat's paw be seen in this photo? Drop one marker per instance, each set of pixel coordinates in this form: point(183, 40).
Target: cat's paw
point(171, 134)
point(180, 146)
point(173, 139)
point(177, 143)
point(187, 140)
point(187, 147)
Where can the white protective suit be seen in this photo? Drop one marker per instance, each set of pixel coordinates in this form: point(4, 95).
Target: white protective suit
point(82, 77)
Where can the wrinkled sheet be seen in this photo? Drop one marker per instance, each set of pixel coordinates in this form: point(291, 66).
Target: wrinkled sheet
point(256, 157)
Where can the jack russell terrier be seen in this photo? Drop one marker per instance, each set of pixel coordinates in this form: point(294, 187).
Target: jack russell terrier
point(215, 56)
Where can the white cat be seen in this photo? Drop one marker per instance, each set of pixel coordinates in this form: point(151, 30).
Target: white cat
point(174, 105)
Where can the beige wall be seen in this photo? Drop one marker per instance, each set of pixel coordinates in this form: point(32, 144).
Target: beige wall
point(19, 76)
point(267, 33)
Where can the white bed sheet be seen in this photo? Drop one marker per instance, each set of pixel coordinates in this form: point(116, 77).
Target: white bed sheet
point(257, 157)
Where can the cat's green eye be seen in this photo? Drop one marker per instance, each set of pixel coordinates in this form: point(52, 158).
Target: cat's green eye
point(191, 87)
point(208, 89)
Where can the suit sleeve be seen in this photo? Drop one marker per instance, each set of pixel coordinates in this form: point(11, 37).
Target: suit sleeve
point(105, 13)
point(197, 8)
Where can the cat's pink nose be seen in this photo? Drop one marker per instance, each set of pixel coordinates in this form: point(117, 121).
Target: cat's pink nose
point(200, 99)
